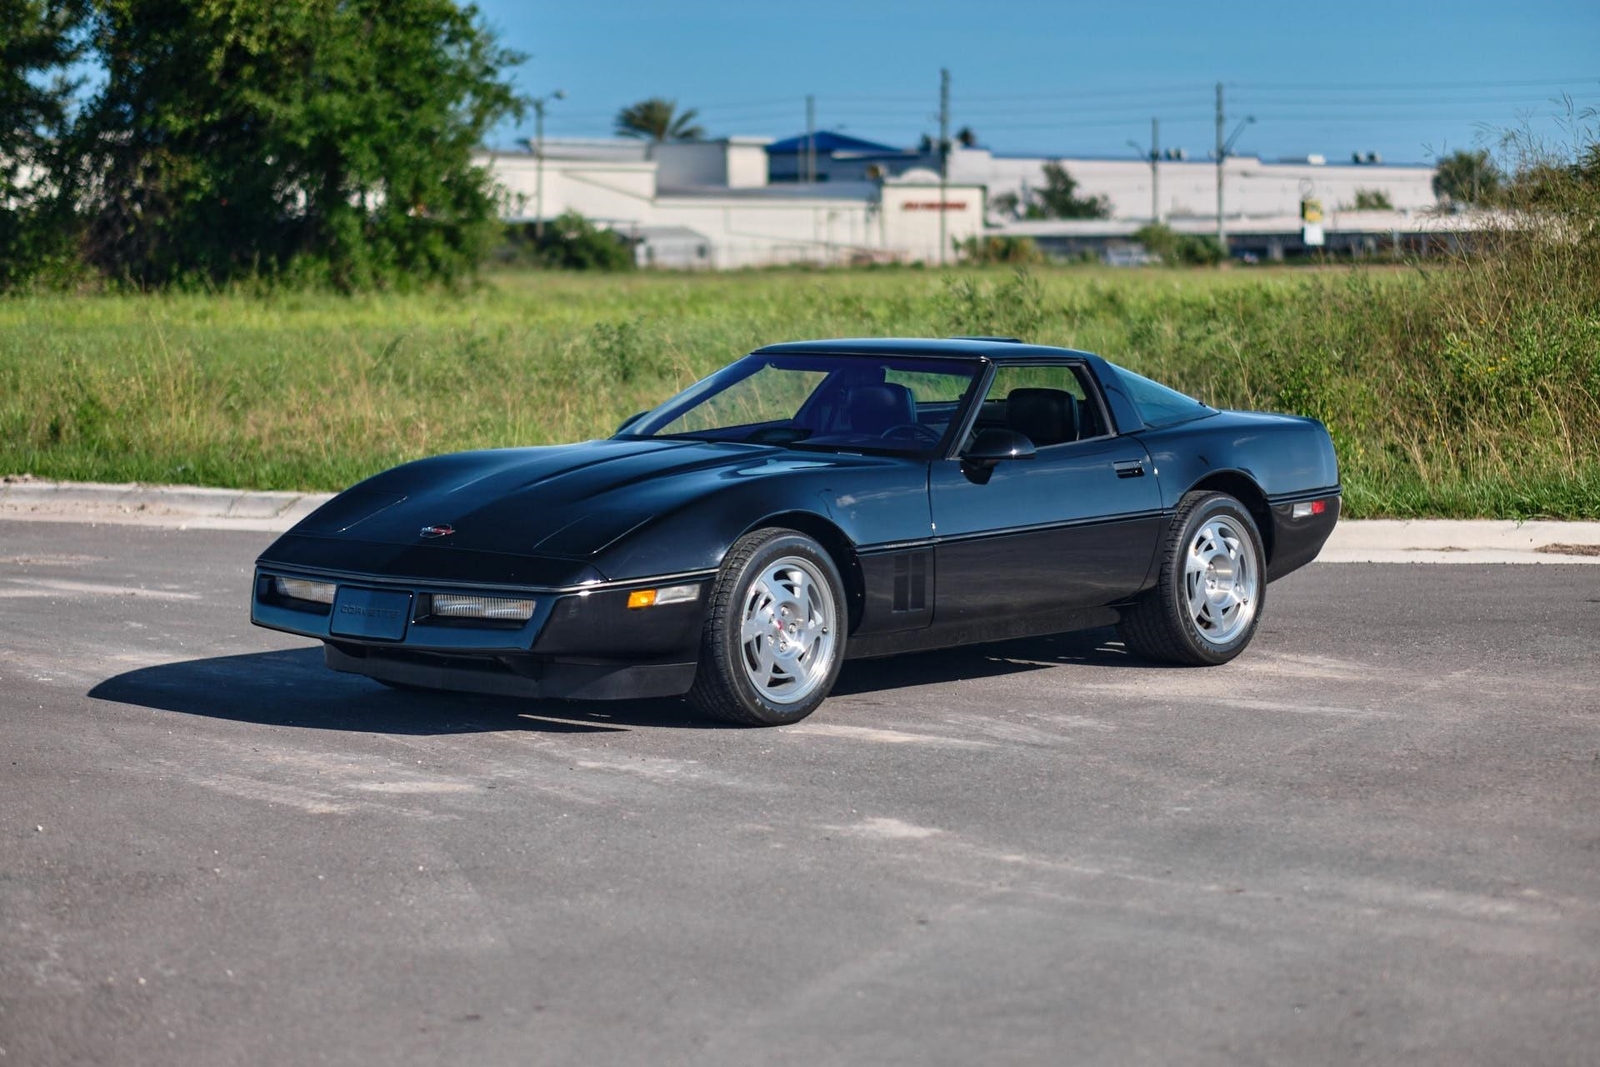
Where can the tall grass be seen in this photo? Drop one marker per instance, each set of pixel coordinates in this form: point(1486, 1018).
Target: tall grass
point(1459, 388)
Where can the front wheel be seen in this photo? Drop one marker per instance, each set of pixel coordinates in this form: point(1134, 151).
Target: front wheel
point(774, 632)
point(1207, 602)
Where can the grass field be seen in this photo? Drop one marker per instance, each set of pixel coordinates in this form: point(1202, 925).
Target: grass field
point(1443, 399)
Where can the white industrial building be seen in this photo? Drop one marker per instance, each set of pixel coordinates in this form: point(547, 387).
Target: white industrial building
point(708, 204)
point(746, 201)
point(1252, 187)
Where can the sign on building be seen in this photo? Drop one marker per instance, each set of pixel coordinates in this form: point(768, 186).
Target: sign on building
point(1311, 222)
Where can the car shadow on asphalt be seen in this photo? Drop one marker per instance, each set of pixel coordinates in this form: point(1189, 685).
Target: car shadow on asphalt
point(1089, 648)
point(291, 687)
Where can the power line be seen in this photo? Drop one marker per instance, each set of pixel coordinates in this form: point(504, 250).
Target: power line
point(1318, 109)
point(1367, 86)
point(1088, 123)
point(1422, 102)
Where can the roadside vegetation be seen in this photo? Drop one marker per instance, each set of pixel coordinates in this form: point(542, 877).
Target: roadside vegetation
point(1453, 389)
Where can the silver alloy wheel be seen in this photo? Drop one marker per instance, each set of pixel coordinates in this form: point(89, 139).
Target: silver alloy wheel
point(787, 630)
point(1220, 580)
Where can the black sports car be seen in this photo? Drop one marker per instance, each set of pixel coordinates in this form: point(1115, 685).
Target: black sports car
point(812, 502)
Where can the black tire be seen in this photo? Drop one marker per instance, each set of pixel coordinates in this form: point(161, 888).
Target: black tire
point(723, 687)
point(1161, 625)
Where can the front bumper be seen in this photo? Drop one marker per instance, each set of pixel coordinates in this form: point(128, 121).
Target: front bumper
point(528, 678)
point(582, 643)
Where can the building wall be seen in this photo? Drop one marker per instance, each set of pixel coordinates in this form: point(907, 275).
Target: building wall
point(602, 190)
point(688, 163)
point(733, 163)
point(747, 162)
point(749, 232)
point(833, 223)
point(911, 214)
point(1250, 186)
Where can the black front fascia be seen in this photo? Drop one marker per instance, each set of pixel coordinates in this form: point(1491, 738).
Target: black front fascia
point(592, 624)
point(437, 563)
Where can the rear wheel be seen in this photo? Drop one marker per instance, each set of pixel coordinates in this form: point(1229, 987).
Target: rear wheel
point(1207, 602)
point(774, 634)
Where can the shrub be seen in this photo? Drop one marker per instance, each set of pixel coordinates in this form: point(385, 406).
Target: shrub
point(570, 242)
point(1014, 308)
point(997, 248)
point(1179, 249)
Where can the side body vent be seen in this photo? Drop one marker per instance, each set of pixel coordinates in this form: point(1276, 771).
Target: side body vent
point(911, 582)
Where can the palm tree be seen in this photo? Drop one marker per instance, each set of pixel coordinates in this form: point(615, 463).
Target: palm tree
point(657, 120)
point(1467, 177)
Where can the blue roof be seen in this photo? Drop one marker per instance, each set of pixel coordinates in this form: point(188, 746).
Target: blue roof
point(828, 141)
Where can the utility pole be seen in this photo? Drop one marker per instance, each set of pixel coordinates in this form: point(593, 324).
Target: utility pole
point(811, 138)
point(539, 103)
point(1155, 168)
point(1155, 171)
point(944, 159)
point(1224, 148)
point(1222, 229)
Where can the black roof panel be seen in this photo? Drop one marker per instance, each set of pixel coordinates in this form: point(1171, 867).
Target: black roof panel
point(983, 347)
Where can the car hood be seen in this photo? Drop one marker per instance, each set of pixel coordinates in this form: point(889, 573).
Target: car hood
point(568, 501)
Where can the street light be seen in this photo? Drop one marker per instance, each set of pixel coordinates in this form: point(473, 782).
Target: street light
point(1224, 149)
point(537, 145)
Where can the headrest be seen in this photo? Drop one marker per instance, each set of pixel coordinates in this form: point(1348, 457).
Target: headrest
point(875, 408)
point(1043, 416)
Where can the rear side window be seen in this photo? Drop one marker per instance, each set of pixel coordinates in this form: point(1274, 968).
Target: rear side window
point(1158, 405)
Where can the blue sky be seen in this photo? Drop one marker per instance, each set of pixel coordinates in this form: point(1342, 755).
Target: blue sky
point(1408, 80)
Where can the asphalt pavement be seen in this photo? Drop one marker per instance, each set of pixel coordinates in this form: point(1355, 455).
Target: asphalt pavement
point(1373, 839)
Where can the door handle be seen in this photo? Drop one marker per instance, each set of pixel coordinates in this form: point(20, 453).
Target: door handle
point(1129, 468)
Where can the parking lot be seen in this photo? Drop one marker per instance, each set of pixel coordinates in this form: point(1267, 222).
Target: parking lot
point(1375, 838)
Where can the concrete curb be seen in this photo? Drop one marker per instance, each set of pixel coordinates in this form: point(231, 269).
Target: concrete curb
point(192, 507)
point(181, 506)
point(1462, 541)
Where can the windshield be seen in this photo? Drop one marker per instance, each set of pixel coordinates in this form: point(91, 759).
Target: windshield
point(887, 405)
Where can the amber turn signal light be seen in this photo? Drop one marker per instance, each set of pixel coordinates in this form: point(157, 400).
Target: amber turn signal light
point(672, 594)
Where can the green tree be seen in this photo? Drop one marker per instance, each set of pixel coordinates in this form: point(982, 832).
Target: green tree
point(1005, 204)
point(1468, 177)
point(1059, 198)
point(39, 41)
point(658, 119)
point(329, 139)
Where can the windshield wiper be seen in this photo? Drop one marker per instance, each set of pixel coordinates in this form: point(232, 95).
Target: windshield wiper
point(783, 436)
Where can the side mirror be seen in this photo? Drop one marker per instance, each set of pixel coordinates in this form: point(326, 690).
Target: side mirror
point(631, 419)
point(996, 444)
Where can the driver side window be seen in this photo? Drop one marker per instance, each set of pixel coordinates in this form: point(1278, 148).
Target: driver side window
point(1049, 405)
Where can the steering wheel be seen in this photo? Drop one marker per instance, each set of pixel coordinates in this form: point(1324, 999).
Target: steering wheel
point(913, 431)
